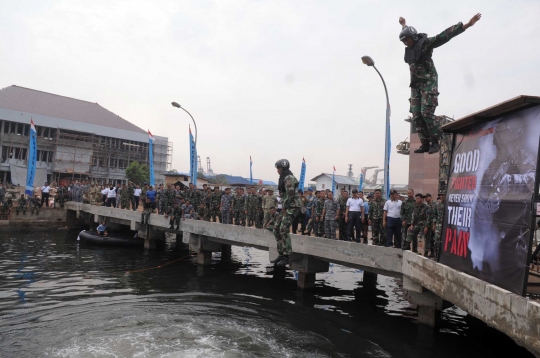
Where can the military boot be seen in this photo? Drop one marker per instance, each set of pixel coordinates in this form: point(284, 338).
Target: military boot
point(284, 261)
point(277, 259)
point(423, 149)
point(434, 148)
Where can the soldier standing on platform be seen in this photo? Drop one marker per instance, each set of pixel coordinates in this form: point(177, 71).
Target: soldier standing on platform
point(175, 214)
point(406, 213)
point(342, 224)
point(438, 217)
point(330, 214)
point(2, 192)
point(238, 207)
point(250, 207)
point(226, 207)
point(376, 211)
point(429, 237)
point(35, 205)
point(424, 79)
point(319, 219)
point(269, 201)
point(419, 222)
point(21, 205)
point(215, 204)
point(124, 197)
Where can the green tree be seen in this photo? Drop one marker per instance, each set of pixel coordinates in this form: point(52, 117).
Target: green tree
point(137, 173)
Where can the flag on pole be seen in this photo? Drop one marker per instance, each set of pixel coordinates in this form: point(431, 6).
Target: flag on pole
point(361, 183)
point(151, 156)
point(334, 181)
point(192, 158)
point(32, 155)
point(302, 175)
point(250, 170)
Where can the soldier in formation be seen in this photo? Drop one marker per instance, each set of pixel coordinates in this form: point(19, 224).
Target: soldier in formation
point(215, 203)
point(251, 209)
point(437, 220)
point(35, 205)
point(342, 224)
point(175, 214)
point(22, 204)
point(330, 214)
point(226, 206)
point(406, 213)
point(239, 202)
point(419, 223)
point(6, 206)
point(268, 201)
point(429, 244)
point(376, 210)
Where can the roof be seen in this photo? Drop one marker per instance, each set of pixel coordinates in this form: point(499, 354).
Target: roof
point(514, 104)
point(340, 179)
point(52, 105)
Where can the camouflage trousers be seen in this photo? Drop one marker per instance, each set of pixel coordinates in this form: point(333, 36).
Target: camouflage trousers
point(378, 232)
point(215, 214)
point(175, 220)
point(424, 101)
point(429, 243)
point(239, 217)
point(252, 218)
point(206, 214)
point(267, 217)
point(282, 229)
point(20, 208)
point(330, 227)
point(310, 225)
point(437, 239)
point(124, 203)
point(412, 236)
point(225, 217)
point(34, 208)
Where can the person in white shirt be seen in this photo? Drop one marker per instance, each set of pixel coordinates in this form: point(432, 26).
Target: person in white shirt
point(392, 220)
point(136, 196)
point(45, 194)
point(111, 197)
point(354, 214)
point(104, 192)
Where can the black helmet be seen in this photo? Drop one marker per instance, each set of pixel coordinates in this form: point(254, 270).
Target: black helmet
point(283, 163)
point(408, 31)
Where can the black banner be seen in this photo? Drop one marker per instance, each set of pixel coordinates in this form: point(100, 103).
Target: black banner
point(486, 230)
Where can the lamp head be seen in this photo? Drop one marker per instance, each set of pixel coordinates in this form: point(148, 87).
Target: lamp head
point(368, 61)
point(174, 104)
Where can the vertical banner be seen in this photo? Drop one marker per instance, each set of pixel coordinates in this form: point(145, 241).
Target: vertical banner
point(486, 232)
point(192, 158)
point(334, 181)
point(250, 171)
point(151, 156)
point(362, 175)
point(302, 175)
point(32, 155)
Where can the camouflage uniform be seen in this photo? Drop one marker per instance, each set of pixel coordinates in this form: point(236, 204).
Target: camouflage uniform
point(438, 216)
point(6, 207)
point(406, 215)
point(125, 199)
point(238, 209)
point(175, 214)
point(268, 201)
point(319, 224)
point(61, 196)
point(331, 207)
point(378, 233)
point(201, 211)
point(291, 208)
point(271, 221)
point(161, 201)
point(215, 202)
point(250, 207)
point(35, 205)
point(424, 87)
point(21, 205)
point(342, 225)
point(419, 221)
point(429, 243)
point(311, 222)
point(2, 193)
point(226, 205)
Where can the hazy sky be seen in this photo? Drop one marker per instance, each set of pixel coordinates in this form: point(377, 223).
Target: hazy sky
point(270, 79)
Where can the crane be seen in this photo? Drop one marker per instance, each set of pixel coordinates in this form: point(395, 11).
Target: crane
point(201, 170)
point(373, 180)
point(363, 176)
point(208, 167)
point(350, 173)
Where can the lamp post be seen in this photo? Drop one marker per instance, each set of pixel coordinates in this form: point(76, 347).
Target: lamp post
point(174, 104)
point(386, 182)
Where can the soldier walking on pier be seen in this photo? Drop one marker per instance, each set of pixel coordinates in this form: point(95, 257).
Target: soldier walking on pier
point(419, 222)
point(424, 79)
point(287, 187)
point(406, 213)
point(376, 211)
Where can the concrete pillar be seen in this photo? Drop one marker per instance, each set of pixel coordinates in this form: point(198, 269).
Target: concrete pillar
point(306, 280)
point(204, 258)
point(149, 244)
point(225, 253)
point(429, 304)
point(428, 316)
point(307, 267)
point(370, 280)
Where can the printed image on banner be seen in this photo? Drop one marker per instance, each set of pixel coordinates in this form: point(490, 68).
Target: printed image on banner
point(486, 230)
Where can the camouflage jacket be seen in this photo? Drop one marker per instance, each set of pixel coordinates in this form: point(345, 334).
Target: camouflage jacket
point(319, 206)
point(438, 213)
point(290, 198)
point(423, 72)
point(331, 208)
point(239, 201)
point(216, 199)
point(342, 206)
point(376, 209)
point(22, 202)
point(175, 211)
point(420, 216)
point(406, 210)
point(269, 201)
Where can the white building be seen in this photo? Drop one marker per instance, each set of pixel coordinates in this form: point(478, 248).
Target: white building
point(324, 181)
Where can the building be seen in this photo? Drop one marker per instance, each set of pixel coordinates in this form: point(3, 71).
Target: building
point(221, 180)
point(183, 178)
point(323, 181)
point(76, 139)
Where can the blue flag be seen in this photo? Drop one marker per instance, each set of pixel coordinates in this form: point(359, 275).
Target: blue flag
point(192, 159)
point(151, 156)
point(302, 175)
point(361, 183)
point(334, 181)
point(250, 171)
point(32, 155)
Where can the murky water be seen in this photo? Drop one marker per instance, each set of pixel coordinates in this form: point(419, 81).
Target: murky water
point(61, 298)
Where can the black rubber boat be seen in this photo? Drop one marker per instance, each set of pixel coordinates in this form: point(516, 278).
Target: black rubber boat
point(110, 240)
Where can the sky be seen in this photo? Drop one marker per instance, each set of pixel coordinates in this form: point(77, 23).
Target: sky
point(271, 79)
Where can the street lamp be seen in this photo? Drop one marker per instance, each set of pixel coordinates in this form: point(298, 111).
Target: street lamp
point(174, 104)
point(386, 181)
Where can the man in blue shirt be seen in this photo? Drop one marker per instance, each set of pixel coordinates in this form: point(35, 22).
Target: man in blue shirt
point(151, 195)
point(102, 229)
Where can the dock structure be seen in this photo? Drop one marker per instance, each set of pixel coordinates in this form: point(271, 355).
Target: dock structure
point(427, 283)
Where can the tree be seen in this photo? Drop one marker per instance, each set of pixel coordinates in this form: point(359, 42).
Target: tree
point(137, 173)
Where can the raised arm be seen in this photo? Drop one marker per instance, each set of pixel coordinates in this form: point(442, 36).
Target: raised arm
point(451, 32)
point(472, 21)
point(402, 22)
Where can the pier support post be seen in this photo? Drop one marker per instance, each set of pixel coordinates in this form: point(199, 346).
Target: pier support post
point(204, 258)
point(225, 253)
point(429, 304)
point(307, 267)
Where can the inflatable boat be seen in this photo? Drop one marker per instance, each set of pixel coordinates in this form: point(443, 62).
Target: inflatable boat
point(110, 240)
